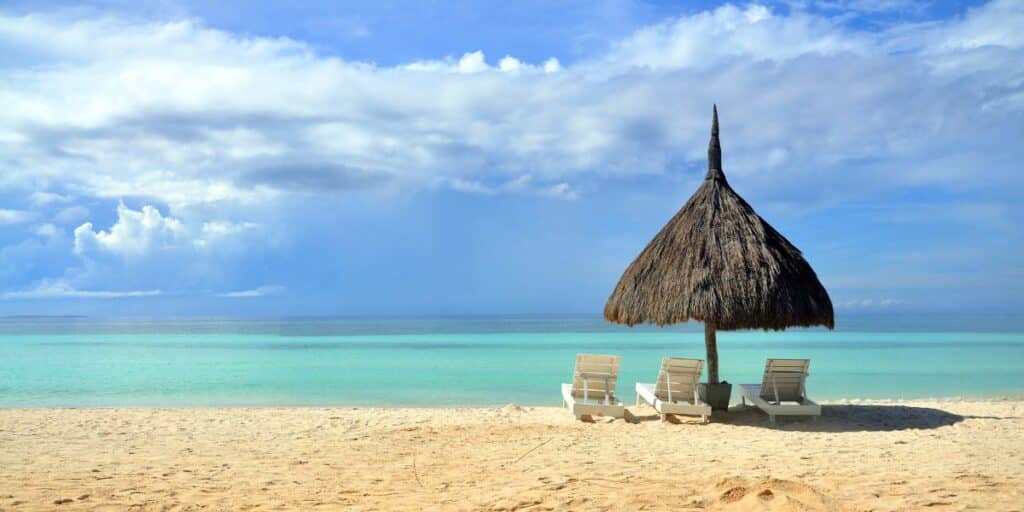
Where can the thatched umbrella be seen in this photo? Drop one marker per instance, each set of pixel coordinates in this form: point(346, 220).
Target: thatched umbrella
point(718, 262)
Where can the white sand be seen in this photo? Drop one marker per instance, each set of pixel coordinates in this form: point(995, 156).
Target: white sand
point(871, 456)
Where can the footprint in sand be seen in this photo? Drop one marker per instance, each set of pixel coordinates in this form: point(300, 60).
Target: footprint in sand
point(733, 494)
point(770, 494)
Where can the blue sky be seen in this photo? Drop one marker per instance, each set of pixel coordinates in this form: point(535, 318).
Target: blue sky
point(222, 158)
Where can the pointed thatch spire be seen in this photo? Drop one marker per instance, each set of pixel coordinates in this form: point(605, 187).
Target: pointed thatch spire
point(718, 262)
point(714, 149)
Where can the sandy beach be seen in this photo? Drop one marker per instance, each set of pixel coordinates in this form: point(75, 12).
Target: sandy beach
point(941, 455)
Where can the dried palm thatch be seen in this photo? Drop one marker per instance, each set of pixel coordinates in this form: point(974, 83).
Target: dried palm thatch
point(719, 262)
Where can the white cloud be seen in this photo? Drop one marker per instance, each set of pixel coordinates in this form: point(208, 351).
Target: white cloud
point(518, 183)
point(59, 289)
point(147, 249)
point(470, 186)
point(262, 291)
point(213, 126)
point(138, 233)
point(870, 303)
point(994, 24)
point(189, 115)
point(560, 191)
point(224, 228)
point(213, 232)
point(71, 215)
point(509, 63)
point(472, 63)
point(476, 62)
point(706, 39)
point(47, 230)
point(40, 198)
point(135, 233)
point(14, 216)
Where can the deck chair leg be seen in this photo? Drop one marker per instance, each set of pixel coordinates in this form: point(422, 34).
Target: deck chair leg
point(771, 419)
point(704, 419)
point(663, 416)
point(638, 399)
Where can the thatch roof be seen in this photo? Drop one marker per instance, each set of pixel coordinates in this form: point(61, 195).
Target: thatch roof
point(718, 262)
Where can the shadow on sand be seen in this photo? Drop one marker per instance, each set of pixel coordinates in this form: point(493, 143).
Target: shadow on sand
point(848, 418)
point(834, 418)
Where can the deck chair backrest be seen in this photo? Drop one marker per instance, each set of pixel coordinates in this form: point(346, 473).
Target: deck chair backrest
point(595, 376)
point(785, 380)
point(678, 379)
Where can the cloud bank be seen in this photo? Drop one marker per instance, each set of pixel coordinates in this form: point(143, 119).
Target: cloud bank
point(187, 114)
point(209, 133)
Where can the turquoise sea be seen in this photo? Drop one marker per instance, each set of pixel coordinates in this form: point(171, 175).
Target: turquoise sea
point(81, 362)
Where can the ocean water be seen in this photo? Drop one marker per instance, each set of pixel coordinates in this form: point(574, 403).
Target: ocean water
point(83, 362)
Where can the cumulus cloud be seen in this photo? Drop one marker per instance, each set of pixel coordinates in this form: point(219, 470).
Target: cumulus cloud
point(476, 62)
point(509, 63)
point(143, 250)
point(139, 233)
point(135, 233)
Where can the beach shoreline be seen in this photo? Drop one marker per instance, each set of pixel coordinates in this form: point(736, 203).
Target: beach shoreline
point(861, 455)
point(735, 401)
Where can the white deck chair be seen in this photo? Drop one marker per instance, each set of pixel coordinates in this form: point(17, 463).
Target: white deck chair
point(675, 392)
point(592, 391)
point(783, 390)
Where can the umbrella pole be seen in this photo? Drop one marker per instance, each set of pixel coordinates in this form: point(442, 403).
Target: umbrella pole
point(711, 343)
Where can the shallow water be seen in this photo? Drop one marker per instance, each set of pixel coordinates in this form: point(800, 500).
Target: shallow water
point(473, 360)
